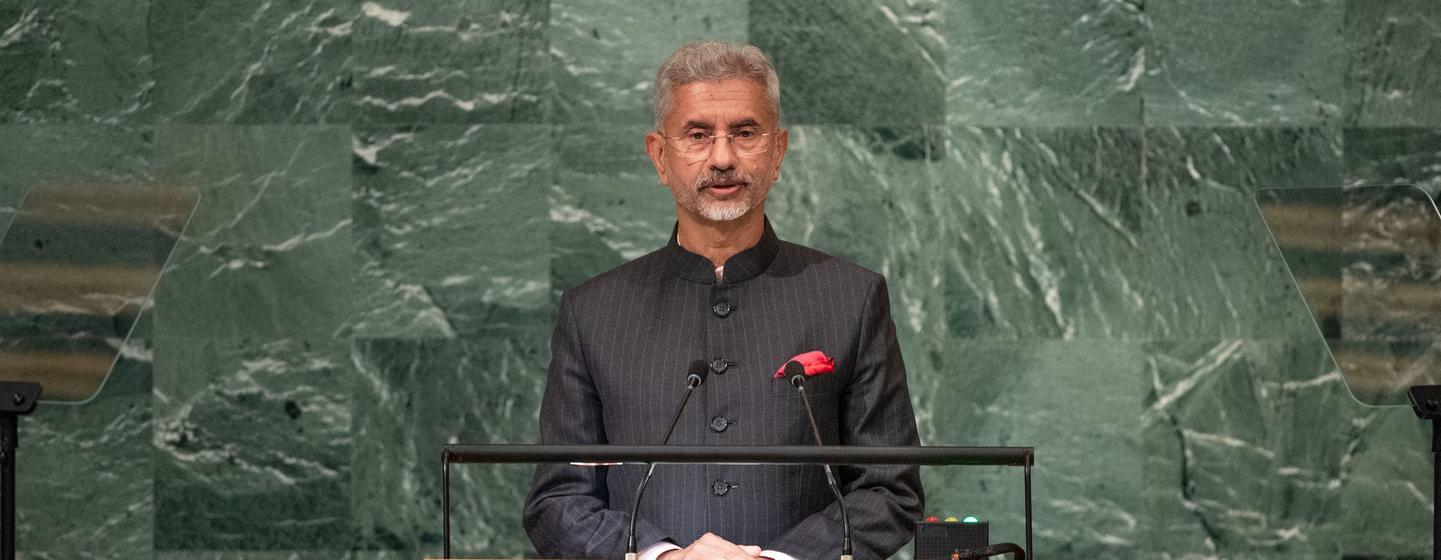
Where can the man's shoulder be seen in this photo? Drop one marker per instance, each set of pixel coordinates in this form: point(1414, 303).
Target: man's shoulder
point(645, 270)
point(793, 262)
point(799, 260)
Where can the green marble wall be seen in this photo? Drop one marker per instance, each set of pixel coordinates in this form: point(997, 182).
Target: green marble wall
point(395, 192)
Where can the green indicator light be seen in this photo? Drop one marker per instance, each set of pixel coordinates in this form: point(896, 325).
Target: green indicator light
point(970, 519)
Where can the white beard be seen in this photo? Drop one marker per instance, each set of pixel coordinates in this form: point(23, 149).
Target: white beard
point(725, 211)
point(690, 198)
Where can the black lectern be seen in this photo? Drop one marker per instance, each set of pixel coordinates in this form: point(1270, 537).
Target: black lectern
point(1022, 457)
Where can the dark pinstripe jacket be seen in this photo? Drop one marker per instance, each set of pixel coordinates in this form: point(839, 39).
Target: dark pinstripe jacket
point(620, 349)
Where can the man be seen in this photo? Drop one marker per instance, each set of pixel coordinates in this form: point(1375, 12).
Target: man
point(725, 290)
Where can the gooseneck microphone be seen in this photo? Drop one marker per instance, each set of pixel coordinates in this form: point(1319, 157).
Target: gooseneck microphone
point(695, 376)
point(1013, 549)
point(797, 375)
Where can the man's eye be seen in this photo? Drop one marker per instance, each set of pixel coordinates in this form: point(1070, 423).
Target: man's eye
point(746, 133)
point(697, 136)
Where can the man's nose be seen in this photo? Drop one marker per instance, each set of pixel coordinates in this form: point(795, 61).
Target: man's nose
point(722, 156)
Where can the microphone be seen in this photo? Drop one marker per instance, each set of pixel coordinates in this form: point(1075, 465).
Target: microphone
point(695, 376)
point(797, 375)
point(989, 551)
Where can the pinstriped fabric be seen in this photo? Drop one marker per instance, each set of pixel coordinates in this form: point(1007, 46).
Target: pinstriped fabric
point(620, 349)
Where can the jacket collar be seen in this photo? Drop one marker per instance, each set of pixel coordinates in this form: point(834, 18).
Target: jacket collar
point(745, 265)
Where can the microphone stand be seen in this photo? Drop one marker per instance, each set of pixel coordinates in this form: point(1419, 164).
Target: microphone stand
point(798, 381)
point(1426, 403)
point(692, 381)
point(16, 399)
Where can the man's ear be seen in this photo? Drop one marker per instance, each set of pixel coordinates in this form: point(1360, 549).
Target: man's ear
point(655, 148)
point(783, 141)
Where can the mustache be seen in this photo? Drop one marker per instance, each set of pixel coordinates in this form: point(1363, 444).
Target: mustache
point(713, 178)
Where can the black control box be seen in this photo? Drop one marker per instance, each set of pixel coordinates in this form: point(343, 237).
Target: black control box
point(935, 540)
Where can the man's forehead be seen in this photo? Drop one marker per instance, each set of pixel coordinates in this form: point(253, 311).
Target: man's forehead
point(701, 122)
point(732, 101)
point(721, 89)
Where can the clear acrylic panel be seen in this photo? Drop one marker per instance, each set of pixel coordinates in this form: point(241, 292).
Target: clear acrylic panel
point(1367, 261)
point(78, 264)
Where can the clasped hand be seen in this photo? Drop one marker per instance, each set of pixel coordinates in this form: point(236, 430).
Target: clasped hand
point(710, 546)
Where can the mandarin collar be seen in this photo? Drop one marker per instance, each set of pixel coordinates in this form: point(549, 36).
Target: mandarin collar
point(743, 266)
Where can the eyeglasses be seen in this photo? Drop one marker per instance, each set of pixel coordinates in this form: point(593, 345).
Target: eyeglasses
point(746, 141)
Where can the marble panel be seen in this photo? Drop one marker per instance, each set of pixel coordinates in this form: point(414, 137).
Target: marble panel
point(605, 54)
point(1244, 444)
point(1075, 401)
point(286, 61)
point(855, 61)
point(268, 251)
point(79, 61)
point(1379, 156)
point(451, 61)
point(412, 397)
point(1044, 63)
point(1393, 63)
point(83, 472)
point(607, 206)
point(1214, 271)
point(451, 225)
point(253, 444)
point(992, 233)
point(1244, 62)
point(1386, 491)
point(844, 190)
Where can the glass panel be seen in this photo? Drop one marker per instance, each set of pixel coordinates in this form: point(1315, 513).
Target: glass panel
point(77, 266)
point(1367, 261)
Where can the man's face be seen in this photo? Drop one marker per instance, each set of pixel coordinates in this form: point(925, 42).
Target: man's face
point(726, 181)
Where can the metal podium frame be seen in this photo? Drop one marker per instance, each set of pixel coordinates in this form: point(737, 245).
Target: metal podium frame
point(735, 455)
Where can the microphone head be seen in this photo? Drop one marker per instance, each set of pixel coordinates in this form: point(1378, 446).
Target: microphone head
point(796, 373)
point(697, 373)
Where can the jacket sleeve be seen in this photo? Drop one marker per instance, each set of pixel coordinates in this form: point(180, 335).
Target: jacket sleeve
point(883, 502)
point(568, 513)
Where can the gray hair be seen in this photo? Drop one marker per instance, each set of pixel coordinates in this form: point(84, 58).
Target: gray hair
point(709, 61)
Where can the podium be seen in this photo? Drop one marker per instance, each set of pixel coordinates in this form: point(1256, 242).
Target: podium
point(614, 455)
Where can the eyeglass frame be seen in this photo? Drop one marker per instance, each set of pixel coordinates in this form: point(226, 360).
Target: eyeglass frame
point(730, 137)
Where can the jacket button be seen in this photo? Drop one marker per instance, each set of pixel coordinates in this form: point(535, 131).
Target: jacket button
point(723, 308)
point(720, 423)
point(721, 487)
point(719, 365)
